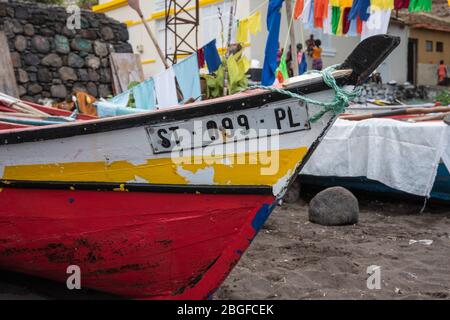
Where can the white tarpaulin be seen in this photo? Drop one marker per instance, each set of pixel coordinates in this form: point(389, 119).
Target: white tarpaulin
point(402, 155)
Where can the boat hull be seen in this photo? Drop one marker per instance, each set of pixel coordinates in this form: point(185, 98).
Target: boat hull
point(440, 191)
point(145, 245)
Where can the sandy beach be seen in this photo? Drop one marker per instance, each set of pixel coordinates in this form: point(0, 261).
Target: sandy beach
point(292, 258)
point(295, 259)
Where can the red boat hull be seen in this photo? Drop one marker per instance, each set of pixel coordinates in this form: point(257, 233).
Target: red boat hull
point(134, 244)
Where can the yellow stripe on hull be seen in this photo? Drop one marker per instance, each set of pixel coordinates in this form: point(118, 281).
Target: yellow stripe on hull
point(234, 170)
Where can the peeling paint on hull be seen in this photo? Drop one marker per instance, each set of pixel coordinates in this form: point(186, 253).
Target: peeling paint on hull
point(138, 245)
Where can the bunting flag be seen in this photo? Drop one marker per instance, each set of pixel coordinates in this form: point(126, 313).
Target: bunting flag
point(360, 9)
point(254, 22)
point(381, 4)
point(251, 24)
point(298, 9)
point(401, 4)
point(320, 12)
point(270, 58)
point(282, 70)
point(419, 5)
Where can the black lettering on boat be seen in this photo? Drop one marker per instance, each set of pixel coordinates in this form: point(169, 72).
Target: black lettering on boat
point(243, 121)
point(280, 114)
point(292, 124)
point(164, 141)
point(227, 123)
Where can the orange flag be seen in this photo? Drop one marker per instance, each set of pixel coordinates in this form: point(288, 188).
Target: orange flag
point(298, 10)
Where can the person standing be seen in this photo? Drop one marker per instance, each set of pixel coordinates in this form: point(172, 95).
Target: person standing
point(310, 45)
point(317, 63)
point(301, 60)
point(442, 73)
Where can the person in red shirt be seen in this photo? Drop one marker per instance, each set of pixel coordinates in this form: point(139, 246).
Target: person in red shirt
point(442, 73)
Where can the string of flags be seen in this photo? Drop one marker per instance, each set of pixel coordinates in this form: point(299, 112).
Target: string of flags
point(353, 17)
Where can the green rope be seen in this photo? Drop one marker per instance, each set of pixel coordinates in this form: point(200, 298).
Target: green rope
point(338, 105)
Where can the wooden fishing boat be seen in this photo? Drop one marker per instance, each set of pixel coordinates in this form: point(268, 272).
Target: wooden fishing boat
point(147, 205)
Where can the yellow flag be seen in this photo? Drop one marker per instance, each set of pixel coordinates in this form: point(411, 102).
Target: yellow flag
point(255, 22)
point(242, 31)
point(340, 24)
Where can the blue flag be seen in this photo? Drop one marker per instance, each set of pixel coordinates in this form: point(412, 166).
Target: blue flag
point(212, 57)
point(270, 58)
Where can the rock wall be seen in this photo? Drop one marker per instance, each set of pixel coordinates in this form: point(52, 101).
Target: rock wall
point(51, 61)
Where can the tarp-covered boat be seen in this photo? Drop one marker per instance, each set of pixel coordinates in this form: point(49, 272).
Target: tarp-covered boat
point(162, 204)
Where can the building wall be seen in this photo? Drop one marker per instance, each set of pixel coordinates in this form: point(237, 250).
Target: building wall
point(335, 49)
point(395, 67)
point(153, 10)
point(428, 61)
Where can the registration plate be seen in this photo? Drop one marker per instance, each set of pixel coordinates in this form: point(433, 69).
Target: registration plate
point(275, 118)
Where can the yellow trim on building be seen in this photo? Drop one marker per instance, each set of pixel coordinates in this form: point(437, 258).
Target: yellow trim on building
point(148, 61)
point(159, 14)
point(111, 5)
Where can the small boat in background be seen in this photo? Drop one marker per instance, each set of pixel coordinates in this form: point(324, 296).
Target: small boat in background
point(161, 205)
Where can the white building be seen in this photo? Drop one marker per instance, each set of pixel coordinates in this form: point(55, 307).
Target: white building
point(335, 49)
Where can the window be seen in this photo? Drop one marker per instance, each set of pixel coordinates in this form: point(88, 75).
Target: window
point(429, 46)
point(439, 46)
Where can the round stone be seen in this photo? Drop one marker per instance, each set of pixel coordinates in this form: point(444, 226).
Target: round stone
point(52, 60)
point(80, 44)
point(15, 58)
point(44, 75)
point(20, 43)
point(31, 59)
point(92, 62)
point(93, 75)
point(28, 29)
point(75, 61)
point(61, 44)
point(40, 44)
point(92, 89)
point(58, 91)
point(22, 76)
point(83, 75)
point(107, 33)
point(66, 74)
point(334, 207)
point(34, 89)
point(100, 49)
point(104, 91)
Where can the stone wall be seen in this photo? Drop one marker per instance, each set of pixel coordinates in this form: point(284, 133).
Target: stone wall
point(51, 61)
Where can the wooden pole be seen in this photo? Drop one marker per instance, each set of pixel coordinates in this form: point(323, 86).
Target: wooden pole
point(134, 4)
point(289, 16)
point(230, 28)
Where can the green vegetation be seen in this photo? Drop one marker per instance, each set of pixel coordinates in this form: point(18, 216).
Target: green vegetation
point(443, 97)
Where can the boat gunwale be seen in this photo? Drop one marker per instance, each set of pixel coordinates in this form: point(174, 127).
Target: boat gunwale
point(249, 100)
point(137, 187)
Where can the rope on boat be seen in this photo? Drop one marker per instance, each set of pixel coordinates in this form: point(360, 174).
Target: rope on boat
point(341, 99)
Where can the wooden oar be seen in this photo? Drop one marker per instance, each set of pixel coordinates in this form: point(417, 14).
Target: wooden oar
point(407, 111)
point(440, 116)
point(20, 106)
